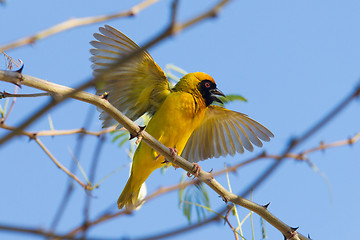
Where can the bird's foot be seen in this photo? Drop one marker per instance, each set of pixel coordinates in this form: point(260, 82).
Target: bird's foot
point(196, 169)
point(174, 152)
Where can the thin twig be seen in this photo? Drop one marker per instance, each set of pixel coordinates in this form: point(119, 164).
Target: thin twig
point(12, 104)
point(86, 97)
point(287, 231)
point(52, 133)
point(226, 218)
point(59, 165)
point(73, 168)
point(324, 146)
point(75, 22)
point(14, 95)
point(33, 231)
point(108, 216)
point(171, 30)
point(93, 168)
point(296, 142)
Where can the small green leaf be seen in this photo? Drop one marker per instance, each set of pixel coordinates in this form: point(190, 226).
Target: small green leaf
point(232, 98)
point(3, 110)
point(171, 67)
point(123, 142)
point(51, 124)
point(263, 230)
point(118, 134)
point(80, 167)
point(108, 175)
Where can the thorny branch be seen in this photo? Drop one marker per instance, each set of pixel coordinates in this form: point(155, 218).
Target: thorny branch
point(108, 216)
point(287, 231)
point(73, 168)
point(171, 30)
point(32, 135)
point(59, 165)
point(75, 22)
point(105, 105)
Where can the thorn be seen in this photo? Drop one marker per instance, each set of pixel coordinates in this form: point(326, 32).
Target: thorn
point(351, 141)
point(229, 208)
point(302, 157)
point(266, 205)
point(263, 154)
point(34, 135)
point(293, 233)
point(294, 228)
point(21, 67)
point(137, 134)
point(16, 84)
point(225, 199)
point(293, 142)
point(105, 95)
point(322, 146)
point(211, 177)
point(357, 92)
point(284, 237)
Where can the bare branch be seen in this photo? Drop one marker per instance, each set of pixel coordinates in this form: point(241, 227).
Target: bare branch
point(203, 176)
point(93, 168)
point(172, 29)
point(106, 216)
point(32, 135)
point(59, 165)
point(75, 22)
point(14, 95)
point(32, 231)
point(73, 168)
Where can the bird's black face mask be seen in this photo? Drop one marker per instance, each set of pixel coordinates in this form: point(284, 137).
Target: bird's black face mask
point(209, 91)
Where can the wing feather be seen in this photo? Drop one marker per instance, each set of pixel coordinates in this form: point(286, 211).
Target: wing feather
point(230, 141)
point(135, 87)
point(224, 132)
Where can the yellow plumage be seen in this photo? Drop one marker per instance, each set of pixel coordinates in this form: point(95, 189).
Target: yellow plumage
point(183, 117)
point(172, 125)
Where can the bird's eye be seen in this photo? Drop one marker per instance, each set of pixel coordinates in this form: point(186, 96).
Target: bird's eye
point(207, 85)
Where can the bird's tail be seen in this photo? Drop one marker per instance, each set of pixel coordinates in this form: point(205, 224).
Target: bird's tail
point(130, 194)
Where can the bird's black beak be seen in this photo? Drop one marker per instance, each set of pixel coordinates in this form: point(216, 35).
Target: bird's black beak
point(216, 92)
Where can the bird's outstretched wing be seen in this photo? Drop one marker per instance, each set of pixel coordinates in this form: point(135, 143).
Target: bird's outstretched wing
point(224, 132)
point(136, 87)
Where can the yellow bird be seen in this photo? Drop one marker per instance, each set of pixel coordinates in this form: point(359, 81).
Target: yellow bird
point(184, 118)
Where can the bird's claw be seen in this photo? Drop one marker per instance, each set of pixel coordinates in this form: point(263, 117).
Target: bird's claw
point(196, 169)
point(174, 152)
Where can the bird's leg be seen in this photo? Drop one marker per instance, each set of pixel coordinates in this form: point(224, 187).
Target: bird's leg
point(174, 152)
point(196, 169)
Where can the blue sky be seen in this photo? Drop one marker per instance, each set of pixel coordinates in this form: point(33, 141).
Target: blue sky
point(293, 61)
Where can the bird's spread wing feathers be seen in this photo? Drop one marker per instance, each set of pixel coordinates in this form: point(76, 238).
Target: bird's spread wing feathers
point(136, 87)
point(224, 132)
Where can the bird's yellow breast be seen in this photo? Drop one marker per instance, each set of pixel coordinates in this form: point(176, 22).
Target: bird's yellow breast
point(172, 125)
